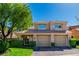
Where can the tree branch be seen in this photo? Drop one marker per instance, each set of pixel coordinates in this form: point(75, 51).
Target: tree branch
point(10, 30)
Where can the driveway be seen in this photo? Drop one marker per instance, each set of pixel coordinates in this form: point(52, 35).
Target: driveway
point(46, 51)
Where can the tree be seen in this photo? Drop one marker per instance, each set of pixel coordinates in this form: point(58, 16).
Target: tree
point(77, 19)
point(14, 17)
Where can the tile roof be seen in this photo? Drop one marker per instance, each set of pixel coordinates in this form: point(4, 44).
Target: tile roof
point(73, 27)
point(46, 31)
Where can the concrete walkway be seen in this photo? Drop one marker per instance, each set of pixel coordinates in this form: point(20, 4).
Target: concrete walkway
point(63, 52)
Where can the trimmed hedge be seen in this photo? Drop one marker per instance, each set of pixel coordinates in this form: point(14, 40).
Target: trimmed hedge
point(20, 43)
point(72, 43)
point(16, 43)
point(77, 42)
point(32, 43)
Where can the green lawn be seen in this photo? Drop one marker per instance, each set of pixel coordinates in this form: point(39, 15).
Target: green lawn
point(18, 52)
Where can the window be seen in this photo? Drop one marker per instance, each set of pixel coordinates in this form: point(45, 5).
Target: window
point(42, 26)
point(57, 26)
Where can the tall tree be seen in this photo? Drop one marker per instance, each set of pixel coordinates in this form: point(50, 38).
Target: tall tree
point(14, 17)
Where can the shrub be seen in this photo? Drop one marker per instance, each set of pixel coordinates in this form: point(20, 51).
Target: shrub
point(72, 43)
point(52, 44)
point(16, 43)
point(77, 46)
point(77, 42)
point(32, 43)
point(4, 45)
point(73, 39)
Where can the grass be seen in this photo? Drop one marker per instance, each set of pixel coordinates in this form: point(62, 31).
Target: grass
point(18, 52)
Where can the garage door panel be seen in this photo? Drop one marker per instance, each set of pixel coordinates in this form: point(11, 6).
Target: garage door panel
point(60, 40)
point(43, 40)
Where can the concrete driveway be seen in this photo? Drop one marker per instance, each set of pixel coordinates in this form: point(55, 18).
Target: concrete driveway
point(55, 52)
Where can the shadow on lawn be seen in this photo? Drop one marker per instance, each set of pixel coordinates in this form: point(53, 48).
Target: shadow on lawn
point(51, 48)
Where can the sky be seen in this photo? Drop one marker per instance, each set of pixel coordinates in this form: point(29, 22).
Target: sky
point(55, 12)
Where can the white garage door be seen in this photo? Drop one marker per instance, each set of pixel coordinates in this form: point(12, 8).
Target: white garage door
point(43, 40)
point(60, 40)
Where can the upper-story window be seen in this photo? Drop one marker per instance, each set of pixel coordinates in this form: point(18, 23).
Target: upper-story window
point(57, 26)
point(42, 26)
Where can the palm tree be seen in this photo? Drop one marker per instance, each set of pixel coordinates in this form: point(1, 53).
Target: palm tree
point(77, 19)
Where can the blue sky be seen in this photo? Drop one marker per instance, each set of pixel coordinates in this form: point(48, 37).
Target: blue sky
point(52, 11)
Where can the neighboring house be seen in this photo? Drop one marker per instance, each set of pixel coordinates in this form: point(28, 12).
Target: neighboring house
point(45, 33)
point(75, 31)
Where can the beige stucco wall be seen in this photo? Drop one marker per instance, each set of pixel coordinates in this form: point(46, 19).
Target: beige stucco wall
point(52, 37)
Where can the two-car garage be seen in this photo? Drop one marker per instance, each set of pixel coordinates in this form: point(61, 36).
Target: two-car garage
point(45, 40)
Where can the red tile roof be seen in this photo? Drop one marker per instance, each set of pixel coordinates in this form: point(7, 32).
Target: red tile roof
point(73, 27)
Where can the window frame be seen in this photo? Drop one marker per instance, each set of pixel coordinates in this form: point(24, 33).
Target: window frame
point(41, 28)
point(56, 26)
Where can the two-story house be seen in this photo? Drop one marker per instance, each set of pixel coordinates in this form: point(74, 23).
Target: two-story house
point(44, 33)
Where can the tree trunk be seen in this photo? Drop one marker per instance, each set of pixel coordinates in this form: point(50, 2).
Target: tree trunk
point(11, 35)
point(4, 38)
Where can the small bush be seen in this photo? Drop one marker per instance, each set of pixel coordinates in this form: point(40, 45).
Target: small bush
point(77, 46)
point(32, 43)
point(72, 43)
point(77, 42)
point(52, 44)
point(16, 43)
point(73, 39)
point(4, 45)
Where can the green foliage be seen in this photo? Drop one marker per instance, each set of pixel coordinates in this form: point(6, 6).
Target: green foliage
point(77, 42)
point(32, 43)
point(18, 14)
point(77, 46)
point(16, 43)
point(73, 39)
point(72, 43)
point(14, 16)
point(4, 45)
point(52, 44)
